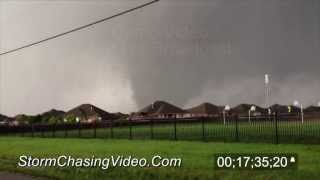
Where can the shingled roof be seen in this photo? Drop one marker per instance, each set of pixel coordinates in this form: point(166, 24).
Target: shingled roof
point(161, 107)
point(312, 109)
point(87, 110)
point(205, 108)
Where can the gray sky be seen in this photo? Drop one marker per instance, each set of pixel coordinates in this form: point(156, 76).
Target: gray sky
point(182, 51)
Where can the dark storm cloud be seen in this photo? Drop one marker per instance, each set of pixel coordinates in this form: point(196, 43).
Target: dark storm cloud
point(182, 51)
point(190, 45)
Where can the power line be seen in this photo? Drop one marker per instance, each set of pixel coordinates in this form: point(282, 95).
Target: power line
point(79, 28)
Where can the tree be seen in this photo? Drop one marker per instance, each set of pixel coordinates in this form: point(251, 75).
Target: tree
point(71, 118)
point(35, 119)
point(53, 120)
point(45, 118)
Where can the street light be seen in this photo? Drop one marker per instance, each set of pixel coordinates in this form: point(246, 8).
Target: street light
point(252, 109)
point(226, 108)
point(297, 104)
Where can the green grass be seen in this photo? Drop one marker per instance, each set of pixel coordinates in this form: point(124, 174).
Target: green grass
point(262, 132)
point(197, 158)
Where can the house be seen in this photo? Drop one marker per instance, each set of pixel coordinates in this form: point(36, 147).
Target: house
point(312, 112)
point(160, 110)
point(4, 120)
point(284, 109)
point(88, 113)
point(312, 109)
point(204, 110)
point(243, 110)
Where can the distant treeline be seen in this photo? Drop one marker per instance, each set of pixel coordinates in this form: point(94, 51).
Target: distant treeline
point(24, 119)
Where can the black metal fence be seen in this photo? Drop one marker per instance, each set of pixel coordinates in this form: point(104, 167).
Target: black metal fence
point(261, 129)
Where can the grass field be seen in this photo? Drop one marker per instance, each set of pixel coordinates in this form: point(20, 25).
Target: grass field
point(262, 132)
point(197, 158)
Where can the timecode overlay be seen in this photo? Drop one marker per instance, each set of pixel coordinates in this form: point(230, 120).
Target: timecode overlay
point(263, 161)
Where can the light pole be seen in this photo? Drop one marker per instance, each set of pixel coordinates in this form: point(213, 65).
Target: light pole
point(252, 109)
point(226, 109)
point(297, 104)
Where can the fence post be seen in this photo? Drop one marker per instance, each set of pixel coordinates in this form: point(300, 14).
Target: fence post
point(151, 129)
point(175, 128)
point(32, 130)
point(237, 127)
point(54, 130)
point(8, 130)
point(79, 129)
point(95, 129)
point(111, 129)
point(130, 129)
point(23, 129)
point(203, 129)
point(42, 132)
point(65, 130)
point(276, 127)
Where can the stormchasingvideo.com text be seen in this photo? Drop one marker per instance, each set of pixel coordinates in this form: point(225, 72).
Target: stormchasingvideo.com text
point(103, 163)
